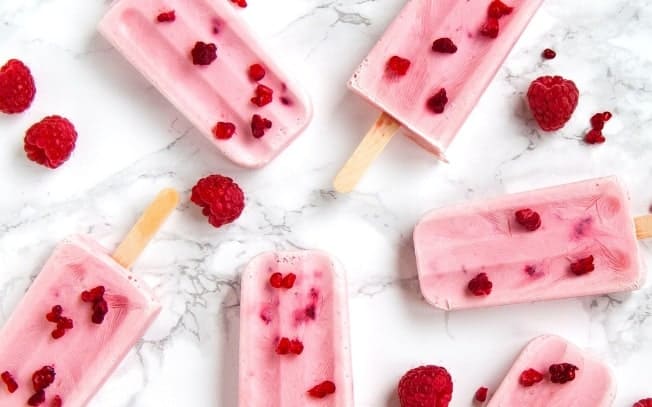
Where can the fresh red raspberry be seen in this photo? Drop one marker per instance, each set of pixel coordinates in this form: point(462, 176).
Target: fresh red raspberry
point(529, 219)
point(552, 100)
point(221, 199)
point(259, 125)
point(240, 3)
point(51, 141)
point(397, 66)
point(497, 9)
point(480, 285)
point(263, 96)
point(256, 72)
point(562, 372)
point(437, 102)
point(583, 266)
point(17, 87)
point(224, 130)
point(549, 53)
point(643, 403)
point(530, 377)
point(481, 394)
point(444, 46)
point(166, 17)
point(594, 136)
point(203, 53)
point(429, 386)
point(490, 28)
point(322, 390)
point(9, 381)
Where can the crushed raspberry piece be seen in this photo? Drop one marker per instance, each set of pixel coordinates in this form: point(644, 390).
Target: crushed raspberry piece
point(263, 96)
point(56, 401)
point(288, 280)
point(480, 285)
point(285, 100)
point(240, 3)
point(256, 72)
point(203, 53)
point(221, 199)
point(643, 403)
point(438, 101)
point(37, 398)
point(58, 333)
point(43, 377)
point(552, 100)
point(583, 266)
point(490, 28)
point(296, 346)
point(597, 121)
point(99, 305)
point(55, 314)
point(497, 9)
point(529, 219)
point(94, 294)
point(562, 372)
point(51, 141)
point(322, 390)
point(444, 46)
point(276, 280)
point(606, 116)
point(481, 394)
point(259, 125)
point(224, 130)
point(100, 309)
point(530, 377)
point(9, 381)
point(283, 347)
point(397, 66)
point(594, 137)
point(549, 53)
point(166, 17)
point(425, 386)
point(17, 88)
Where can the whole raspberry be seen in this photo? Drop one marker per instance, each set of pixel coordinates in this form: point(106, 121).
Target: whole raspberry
point(51, 141)
point(17, 87)
point(643, 403)
point(221, 199)
point(426, 386)
point(552, 100)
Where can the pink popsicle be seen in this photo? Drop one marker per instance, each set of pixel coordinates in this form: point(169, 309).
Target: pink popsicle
point(464, 75)
point(84, 357)
point(590, 218)
point(593, 384)
point(84, 311)
point(314, 312)
point(220, 91)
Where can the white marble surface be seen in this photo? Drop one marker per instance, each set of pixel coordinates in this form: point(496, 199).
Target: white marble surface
point(132, 143)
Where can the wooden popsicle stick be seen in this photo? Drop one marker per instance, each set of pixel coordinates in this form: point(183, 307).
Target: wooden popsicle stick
point(643, 227)
point(146, 227)
point(371, 146)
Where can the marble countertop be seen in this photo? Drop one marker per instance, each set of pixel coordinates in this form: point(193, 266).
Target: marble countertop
point(133, 143)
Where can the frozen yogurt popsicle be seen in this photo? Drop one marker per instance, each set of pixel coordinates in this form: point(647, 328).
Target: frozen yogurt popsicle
point(592, 385)
point(79, 318)
point(202, 57)
point(294, 332)
point(429, 70)
point(560, 242)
